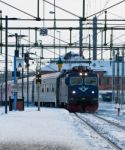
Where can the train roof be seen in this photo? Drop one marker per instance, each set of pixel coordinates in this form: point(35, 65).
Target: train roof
point(50, 75)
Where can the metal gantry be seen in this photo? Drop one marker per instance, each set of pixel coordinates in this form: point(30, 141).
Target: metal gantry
point(80, 45)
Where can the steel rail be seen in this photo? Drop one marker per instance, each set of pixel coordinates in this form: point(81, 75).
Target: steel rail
point(111, 122)
point(101, 135)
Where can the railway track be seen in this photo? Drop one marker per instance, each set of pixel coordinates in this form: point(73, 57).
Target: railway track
point(111, 122)
point(110, 142)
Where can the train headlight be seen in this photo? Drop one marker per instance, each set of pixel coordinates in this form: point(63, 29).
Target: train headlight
point(86, 74)
point(80, 73)
point(73, 92)
point(93, 92)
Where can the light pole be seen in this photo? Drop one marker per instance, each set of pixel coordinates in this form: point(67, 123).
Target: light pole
point(0, 32)
point(27, 66)
point(6, 55)
point(15, 73)
point(26, 59)
point(21, 65)
point(22, 72)
point(54, 26)
point(38, 18)
point(20, 68)
point(6, 61)
point(59, 42)
point(16, 54)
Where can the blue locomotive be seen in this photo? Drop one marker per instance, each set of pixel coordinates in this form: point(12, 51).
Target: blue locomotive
point(77, 90)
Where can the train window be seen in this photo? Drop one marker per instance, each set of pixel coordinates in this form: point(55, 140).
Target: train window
point(76, 81)
point(52, 88)
point(47, 89)
point(42, 89)
point(90, 80)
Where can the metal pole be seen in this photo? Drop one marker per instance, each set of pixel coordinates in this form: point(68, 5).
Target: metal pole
point(33, 92)
point(37, 9)
point(80, 37)
point(29, 37)
point(122, 88)
point(36, 36)
point(41, 57)
point(43, 13)
point(6, 63)
point(83, 9)
point(118, 84)
point(1, 32)
point(70, 36)
point(95, 38)
point(81, 31)
point(28, 81)
point(111, 44)
point(15, 70)
point(89, 48)
point(1, 98)
point(113, 77)
point(22, 71)
point(101, 44)
point(105, 27)
point(38, 88)
point(15, 96)
point(59, 42)
point(54, 26)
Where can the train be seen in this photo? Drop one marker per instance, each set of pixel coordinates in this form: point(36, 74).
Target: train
point(75, 89)
point(81, 89)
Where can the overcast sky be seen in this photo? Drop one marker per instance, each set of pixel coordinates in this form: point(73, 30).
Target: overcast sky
point(74, 6)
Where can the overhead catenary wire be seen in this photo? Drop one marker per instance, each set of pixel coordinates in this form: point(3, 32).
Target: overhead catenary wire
point(17, 9)
point(62, 9)
point(29, 41)
point(113, 40)
point(106, 3)
point(35, 16)
point(105, 9)
point(115, 15)
point(77, 16)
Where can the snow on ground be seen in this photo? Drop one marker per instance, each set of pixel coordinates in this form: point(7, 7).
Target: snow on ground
point(110, 111)
point(50, 129)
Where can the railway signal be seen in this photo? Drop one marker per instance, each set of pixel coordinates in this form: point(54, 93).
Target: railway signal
point(26, 58)
point(38, 82)
point(38, 78)
point(60, 64)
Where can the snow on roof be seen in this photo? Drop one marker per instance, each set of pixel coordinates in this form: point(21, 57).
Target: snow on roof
point(51, 75)
point(96, 65)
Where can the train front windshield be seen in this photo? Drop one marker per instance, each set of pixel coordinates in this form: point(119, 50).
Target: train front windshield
point(87, 81)
point(91, 81)
point(76, 81)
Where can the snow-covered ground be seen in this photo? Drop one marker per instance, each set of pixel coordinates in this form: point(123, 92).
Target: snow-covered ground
point(51, 129)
